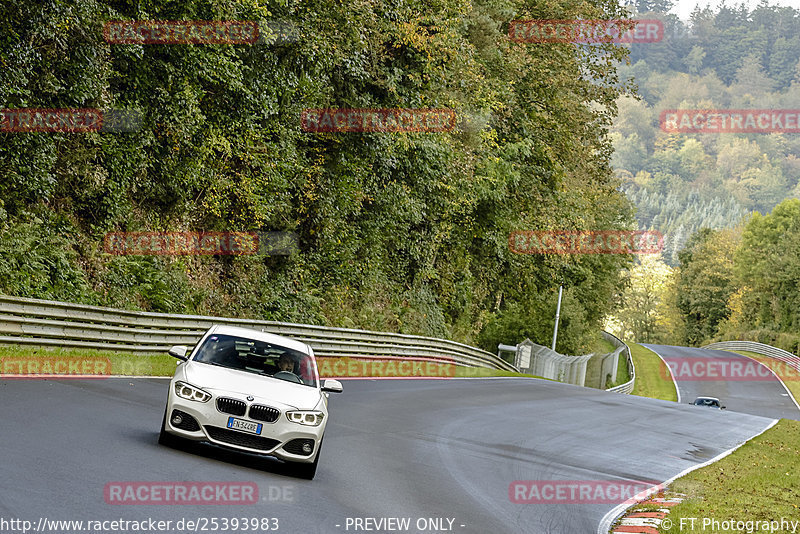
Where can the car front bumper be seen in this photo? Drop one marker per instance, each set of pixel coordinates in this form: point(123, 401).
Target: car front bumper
point(213, 428)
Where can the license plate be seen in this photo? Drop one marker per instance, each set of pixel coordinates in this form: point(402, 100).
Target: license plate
point(244, 426)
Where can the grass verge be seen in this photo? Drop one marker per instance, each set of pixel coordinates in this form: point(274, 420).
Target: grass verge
point(623, 373)
point(603, 346)
point(16, 359)
point(760, 481)
point(652, 376)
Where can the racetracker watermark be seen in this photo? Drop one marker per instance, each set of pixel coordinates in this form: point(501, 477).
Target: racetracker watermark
point(69, 120)
point(180, 32)
point(143, 524)
point(586, 31)
point(731, 369)
point(181, 243)
point(133, 367)
point(715, 121)
point(586, 242)
point(180, 493)
point(377, 120)
point(385, 367)
point(54, 367)
point(578, 491)
point(148, 32)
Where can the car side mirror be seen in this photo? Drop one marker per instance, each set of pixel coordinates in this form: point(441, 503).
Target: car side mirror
point(332, 386)
point(179, 351)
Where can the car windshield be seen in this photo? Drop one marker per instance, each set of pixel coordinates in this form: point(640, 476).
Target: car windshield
point(706, 402)
point(258, 357)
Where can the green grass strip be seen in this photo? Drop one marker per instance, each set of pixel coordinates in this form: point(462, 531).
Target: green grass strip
point(758, 482)
point(652, 375)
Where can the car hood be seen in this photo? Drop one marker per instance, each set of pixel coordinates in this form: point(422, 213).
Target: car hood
point(222, 381)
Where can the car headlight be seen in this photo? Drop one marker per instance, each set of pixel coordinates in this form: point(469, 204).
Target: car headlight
point(187, 391)
point(308, 418)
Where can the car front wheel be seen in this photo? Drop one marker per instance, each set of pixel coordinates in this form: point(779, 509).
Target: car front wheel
point(307, 471)
point(165, 438)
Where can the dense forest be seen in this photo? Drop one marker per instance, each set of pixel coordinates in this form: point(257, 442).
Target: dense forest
point(722, 58)
point(732, 283)
point(401, 232)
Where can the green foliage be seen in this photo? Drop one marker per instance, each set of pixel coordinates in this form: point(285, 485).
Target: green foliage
point(643, 313)
point(767, 268)
point(35, 261)
point(743, 283)
point(706, 282)
point(679, 216)
point(156, 285)
point(723, 58)
point(534, 318)
point(403, 232)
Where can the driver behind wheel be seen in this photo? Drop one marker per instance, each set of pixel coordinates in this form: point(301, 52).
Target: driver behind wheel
point(286, 363)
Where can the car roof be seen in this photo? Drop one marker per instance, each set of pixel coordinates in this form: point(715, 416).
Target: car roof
point(707, 398)
point(260, 336)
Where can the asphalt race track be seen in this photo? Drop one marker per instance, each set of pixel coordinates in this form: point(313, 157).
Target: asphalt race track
point(756, 393)
point(393, 448)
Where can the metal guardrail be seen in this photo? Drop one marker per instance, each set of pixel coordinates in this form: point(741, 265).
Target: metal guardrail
point(627, 387)
point(758, 348)
point(542, 361)
point(28, 321)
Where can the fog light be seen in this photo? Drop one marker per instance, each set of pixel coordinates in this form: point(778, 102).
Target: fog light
point(307, 447)
point(177, 419)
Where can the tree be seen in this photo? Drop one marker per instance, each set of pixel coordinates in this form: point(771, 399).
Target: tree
point(783, 60)
point(706, 282)
point(629, 152)
point(653, 6)
point(641, 317)
point(397, 231)
point(751, 80)
point(694, 61)
point(767, 264)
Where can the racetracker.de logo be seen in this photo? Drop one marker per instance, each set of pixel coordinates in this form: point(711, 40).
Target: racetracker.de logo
point(586, 31)
point(180, 493)
point(586, 242)
point(69, 120)
point(377, 120)
point(577, 491)
point(54, 367)
point(181, 32)
point(385, 367)
point(716, 121)
point(181, 243)
point(729, 369)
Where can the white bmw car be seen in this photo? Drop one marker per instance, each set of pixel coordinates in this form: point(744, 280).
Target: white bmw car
point(250, 391)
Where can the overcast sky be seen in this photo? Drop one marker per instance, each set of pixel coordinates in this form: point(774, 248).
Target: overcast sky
point(684, 8)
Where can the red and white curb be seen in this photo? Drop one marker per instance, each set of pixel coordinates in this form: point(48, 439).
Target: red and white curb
point(605, 525)
point(641, 521)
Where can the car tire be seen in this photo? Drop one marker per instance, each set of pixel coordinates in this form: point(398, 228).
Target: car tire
point(307, 471)
point(164, 437)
